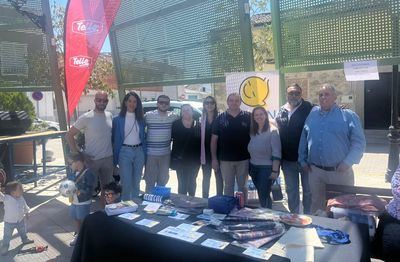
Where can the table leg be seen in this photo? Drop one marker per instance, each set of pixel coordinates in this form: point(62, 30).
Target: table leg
point(11, 161)
point(44, 156)
point(35, 173)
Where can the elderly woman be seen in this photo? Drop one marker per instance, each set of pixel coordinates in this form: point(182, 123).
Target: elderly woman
point(387, 238)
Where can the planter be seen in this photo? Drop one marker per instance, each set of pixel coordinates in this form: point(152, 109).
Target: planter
point(23, 153)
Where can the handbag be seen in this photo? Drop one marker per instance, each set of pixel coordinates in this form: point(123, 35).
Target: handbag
point(222, 204)
point(276, 191)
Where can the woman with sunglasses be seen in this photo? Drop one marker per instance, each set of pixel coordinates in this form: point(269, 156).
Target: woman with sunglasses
point(210, 113)
point(265, 154)
point(185, 150)
point(129, 144)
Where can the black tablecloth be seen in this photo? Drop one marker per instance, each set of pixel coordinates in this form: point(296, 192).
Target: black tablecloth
point(116, 239)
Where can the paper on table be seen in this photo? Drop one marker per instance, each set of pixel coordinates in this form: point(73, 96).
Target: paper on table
point(256, 252)
point(130, 216)
point(188, 236)
point(214, 243)
point(293, 252)
point(301, 237)
point(147, 222)
point(188, 227)
point(300, 253)
point(152, 207)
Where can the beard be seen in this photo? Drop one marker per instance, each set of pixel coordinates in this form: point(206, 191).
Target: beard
point(294, 102)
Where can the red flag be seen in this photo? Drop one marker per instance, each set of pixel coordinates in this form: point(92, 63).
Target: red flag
point(87, 23)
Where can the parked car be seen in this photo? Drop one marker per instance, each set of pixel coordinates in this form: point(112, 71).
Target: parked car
point(45, 125)
point(175, 106)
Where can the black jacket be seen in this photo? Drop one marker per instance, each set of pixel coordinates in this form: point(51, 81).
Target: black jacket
point(290, 131)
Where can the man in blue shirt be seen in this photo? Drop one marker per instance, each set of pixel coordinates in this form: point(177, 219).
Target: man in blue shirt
point(331, 142)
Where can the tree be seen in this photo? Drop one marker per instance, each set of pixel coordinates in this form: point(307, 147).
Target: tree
point(263, 51)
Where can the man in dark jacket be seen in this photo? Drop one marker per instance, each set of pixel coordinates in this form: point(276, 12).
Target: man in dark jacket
point(290, 120)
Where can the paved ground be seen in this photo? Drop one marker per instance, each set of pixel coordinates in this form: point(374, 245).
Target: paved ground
point(49, 223)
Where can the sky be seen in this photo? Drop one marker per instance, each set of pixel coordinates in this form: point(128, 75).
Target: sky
point(106, 45)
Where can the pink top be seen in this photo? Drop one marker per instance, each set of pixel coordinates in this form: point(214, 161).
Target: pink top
point(393, 207)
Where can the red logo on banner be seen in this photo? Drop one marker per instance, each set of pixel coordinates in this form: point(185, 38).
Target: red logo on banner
point(86, 26)
point(80, 61)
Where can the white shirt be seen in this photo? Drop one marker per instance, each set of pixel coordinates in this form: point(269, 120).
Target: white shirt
point(14, 208)
point(291, 112)
point(131, 130)
point(97, 128)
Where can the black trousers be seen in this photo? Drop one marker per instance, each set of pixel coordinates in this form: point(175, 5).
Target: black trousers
point(386, 243)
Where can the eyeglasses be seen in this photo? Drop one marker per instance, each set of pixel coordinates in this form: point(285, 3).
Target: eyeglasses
point(294, 93)
point(209, 102)
point(99, 100)
point(163, 102)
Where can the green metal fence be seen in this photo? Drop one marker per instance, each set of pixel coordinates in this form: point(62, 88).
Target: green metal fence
point(315, 35)
point(172, 42)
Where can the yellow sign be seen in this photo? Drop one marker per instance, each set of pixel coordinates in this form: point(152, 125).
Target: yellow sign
point(254, 90)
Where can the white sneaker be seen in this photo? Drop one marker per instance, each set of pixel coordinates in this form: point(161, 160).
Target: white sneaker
point(73, 241)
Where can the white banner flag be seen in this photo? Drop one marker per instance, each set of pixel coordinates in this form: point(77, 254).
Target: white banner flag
point(255, 89)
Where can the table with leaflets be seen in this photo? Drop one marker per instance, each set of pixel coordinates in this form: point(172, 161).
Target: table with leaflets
point(156, 237)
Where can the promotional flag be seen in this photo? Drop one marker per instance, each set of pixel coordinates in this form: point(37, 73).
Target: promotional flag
point(87, 23)
point(255, 89)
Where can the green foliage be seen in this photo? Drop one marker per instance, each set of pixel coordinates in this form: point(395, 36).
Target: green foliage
point(16, 101)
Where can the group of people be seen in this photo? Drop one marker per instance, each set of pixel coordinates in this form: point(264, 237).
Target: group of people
point(316, 145)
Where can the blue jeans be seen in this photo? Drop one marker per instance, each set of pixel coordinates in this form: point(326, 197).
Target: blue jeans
point(260, 175)
point(9, 229)
point(291, 171)
point(206, 181)
point(131, 162)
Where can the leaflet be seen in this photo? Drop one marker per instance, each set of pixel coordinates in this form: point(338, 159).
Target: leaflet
point(188, 227)
point(147, 222)
point(174, 232)
point(257, 253)
point(214, 243)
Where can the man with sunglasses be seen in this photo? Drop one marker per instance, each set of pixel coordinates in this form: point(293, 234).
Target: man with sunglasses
point(290, 120)
point(158, 139)
point(96, 125)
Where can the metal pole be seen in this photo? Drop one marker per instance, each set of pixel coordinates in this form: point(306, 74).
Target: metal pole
point(55, 71)
point(394, 132)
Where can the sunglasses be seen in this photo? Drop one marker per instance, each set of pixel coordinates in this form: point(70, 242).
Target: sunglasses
point(163, 102)
point(296, 93)
point(209, 103)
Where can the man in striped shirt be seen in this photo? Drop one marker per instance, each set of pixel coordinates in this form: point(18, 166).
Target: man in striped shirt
point(159, 124)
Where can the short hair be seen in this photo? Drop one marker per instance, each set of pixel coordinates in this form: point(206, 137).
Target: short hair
point(116, 188)
point(329, 86)
point(295, 85)
point(11, 187)
point(232, 94)
point(163, 96)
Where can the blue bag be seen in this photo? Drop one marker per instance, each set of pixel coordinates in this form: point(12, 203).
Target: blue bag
point(222, 204)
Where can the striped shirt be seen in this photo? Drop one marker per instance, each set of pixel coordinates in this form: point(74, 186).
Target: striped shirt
point(158, 135)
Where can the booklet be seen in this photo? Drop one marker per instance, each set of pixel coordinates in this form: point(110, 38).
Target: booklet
point(121, 208)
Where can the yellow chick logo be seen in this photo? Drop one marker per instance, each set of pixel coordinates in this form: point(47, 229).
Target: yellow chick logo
point(254, 90)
